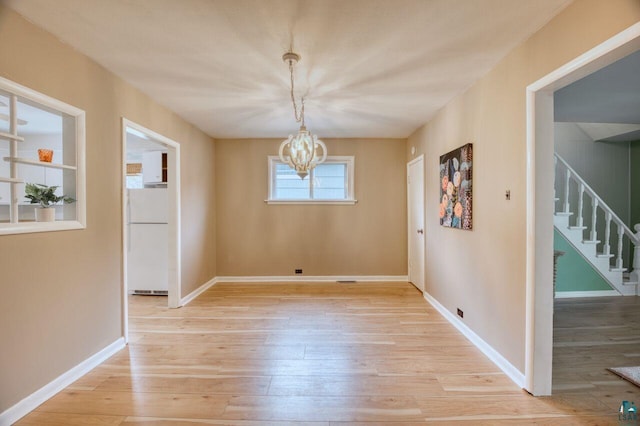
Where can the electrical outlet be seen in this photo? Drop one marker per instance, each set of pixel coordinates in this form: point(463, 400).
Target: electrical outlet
point(460, 313)
point(298, 271)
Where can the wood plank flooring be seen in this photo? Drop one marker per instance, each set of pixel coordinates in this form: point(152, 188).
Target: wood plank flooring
point(591, 335)
point(319, 354)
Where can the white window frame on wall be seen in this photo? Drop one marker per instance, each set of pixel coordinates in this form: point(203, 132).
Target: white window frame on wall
point(349, 160)
point(80, 170)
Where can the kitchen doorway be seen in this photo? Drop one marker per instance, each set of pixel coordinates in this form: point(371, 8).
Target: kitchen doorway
point(150, 216)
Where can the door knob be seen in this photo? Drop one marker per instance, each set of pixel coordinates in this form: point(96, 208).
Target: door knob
point(420, 231)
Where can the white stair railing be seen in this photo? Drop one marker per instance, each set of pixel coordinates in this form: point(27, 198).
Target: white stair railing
point(569, 176)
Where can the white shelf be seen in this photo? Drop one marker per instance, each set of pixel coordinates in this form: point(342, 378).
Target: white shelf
point(9, 136)
point(38, 163)
point(10, 180)
point(30, 227)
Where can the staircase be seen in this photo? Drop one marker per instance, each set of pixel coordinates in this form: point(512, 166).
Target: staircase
point(587, 222)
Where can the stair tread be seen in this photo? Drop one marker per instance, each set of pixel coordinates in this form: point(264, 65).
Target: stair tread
point(563, 213)
point(590, 241)
point(601, 255)
point(618, 269)
point(577, 227)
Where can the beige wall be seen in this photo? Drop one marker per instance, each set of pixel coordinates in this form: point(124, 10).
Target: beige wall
point(483, 271)
point(256, 239)
point(61, 291)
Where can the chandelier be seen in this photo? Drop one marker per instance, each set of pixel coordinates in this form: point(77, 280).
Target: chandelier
point(301, 151)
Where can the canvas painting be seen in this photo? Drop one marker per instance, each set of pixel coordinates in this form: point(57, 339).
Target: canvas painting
point(456, 188)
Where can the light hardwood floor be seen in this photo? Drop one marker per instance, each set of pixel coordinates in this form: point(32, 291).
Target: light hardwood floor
point(326, 354)
point(591, 335)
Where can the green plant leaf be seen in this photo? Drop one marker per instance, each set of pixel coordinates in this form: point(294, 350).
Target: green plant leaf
point(44, 195)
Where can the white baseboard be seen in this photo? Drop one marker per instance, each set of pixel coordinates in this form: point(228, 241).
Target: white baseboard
point(597, 293)
point(317, 278)
point(198, 291)
point(30, 403)
point(514, 374)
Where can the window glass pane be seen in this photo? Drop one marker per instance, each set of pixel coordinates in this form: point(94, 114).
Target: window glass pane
point(44, 128)
point(41, 150)
point(329, 181)
point(50, 133)
point(288, 185)
point(4, 112)
point(4, 152)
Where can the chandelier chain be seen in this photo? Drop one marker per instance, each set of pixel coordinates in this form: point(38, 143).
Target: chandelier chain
point(298, 116)
point(303, 151)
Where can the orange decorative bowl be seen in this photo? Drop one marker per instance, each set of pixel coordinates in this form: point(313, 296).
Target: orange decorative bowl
point(45, 155)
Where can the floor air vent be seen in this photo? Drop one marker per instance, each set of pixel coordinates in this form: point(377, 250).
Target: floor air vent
point(151, 292)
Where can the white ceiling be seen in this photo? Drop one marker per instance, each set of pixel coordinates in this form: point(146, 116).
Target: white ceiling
point(369, 68)
point(609, 95)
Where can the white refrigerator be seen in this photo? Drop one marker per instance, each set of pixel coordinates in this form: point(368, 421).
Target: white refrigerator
point(148, 242)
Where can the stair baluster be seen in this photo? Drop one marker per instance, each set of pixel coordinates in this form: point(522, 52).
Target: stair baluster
point(555, 193)
point(593, 234)
point(619, 265)
point(566, 192)
point(606, 248)
point(579, 221)
point(634, 276)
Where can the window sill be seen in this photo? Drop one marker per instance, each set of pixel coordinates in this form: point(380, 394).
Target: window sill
point(32, 227)
point(304, 202)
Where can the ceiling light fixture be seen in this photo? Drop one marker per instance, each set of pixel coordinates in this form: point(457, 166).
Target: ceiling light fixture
point(300, 151)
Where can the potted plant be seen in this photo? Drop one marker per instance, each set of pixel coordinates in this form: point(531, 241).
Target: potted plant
point(46, 197)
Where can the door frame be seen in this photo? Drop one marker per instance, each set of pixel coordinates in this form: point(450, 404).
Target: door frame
point(173, 189)
point(540, 195)
point(418, 159)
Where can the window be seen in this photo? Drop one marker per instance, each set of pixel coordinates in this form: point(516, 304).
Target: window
point(329, 182)
point(43, 146)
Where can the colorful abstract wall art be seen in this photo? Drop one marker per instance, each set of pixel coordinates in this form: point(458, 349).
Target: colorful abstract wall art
point(455, 188)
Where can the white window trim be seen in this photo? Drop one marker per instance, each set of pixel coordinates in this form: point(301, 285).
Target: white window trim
point(349, 177)
point(60, 225)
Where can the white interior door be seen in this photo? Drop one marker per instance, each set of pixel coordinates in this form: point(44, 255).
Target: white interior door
point(415, 210)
